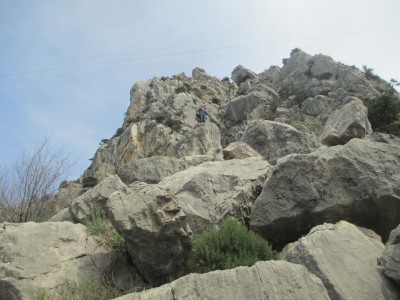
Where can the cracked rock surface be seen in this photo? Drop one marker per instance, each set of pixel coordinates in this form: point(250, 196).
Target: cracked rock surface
point(41, 255)
point(344, 257)
point(271, 280)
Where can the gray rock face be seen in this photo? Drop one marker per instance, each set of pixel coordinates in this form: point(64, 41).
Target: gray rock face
point(151, 169)
point(37, 256)
point(241, 74)
point(357, 182)
point(274, 140)
point(344, 257)
point(390, 260)
point(272, 280)
point(158, 221)
point(94, 200)
point(251, 106)
point(239, 150)
point(205, 139)
point(350, 121)
point(318, 105)
point(320, 74)
point(155, 229)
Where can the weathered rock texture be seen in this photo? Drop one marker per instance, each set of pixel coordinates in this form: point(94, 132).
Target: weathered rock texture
point(37, 256)
point(344, 257)
point(239, 150)
point(158, 221)
point(274, 140)
point(151, 169)
point(358, 182)
point(265, 280)
point(93, 202)
point(390, 260)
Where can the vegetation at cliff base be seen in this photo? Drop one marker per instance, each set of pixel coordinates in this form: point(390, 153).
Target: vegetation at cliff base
point(229, 246)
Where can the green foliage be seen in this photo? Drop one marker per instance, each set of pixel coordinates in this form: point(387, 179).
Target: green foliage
point(295, 50)
point(229, 246)
point(384, 113)
point(69, 290)
point(216, 100)
point(284, 61)
point(226, 79)
point(161, 118)
point(369, 72)
point(164, 78)
point(101, 226)
point(119, 131)
point(180, 89)
point(88, 182)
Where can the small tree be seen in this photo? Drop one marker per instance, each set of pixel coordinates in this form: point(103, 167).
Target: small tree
point(27, 189)
point(229, 246)
point(384, 113)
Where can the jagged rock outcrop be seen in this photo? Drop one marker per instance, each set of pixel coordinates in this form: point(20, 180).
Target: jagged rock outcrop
point(320, 74)
point(346, 123)
point(159, 221)
point(390, 260)
point(274, 140)
point(272, 280)
point(357, 182)
point(37, 256)
point(93, 202)
point(344, 257)
point(155, 229)
point(240, 74)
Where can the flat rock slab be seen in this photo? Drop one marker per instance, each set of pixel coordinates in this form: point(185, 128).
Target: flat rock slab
point(273, 280)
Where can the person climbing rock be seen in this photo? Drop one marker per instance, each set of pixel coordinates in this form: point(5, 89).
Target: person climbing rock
point(202, 114)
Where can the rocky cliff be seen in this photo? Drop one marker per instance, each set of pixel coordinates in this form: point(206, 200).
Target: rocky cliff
point(284, 151)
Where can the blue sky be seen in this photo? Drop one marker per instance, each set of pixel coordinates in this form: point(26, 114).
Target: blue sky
point(66, 67)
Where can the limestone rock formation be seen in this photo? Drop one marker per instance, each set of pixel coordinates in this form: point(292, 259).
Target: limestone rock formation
point(239, 150)
point(151, 169)
point(241, 74)
point(37, 256)
point(274, 140)
point(272, 280)
point(357, 182)
point(155, 230)
point(158, 221)
point(344, 257)
point(390, 260)
point(93, 202)
point(350, 121)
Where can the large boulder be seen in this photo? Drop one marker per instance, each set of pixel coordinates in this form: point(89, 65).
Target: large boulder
point(272, 280)
point(346, 123)
point(344, 257)
point(36, 256)
point(253, 105)
point(318, 105)
point(358, 182)
point(158, 221)
point(210, 191)
point(93, 202)
point(239, 150)
point(274, 140)
point(241, 74)
point(390, 260)
point(155, 230)
point(151, 169)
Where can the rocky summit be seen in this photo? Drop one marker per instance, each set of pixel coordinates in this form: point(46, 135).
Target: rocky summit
point(291, 152)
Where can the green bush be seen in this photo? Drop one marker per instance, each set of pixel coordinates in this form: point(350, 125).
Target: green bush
point(384, 113)
point(229, 246)
point(180, 89)
point(89, 182)
point(101, 226)
point(119, 131)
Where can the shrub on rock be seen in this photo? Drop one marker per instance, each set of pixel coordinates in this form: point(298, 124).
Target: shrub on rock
point(229, 246)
